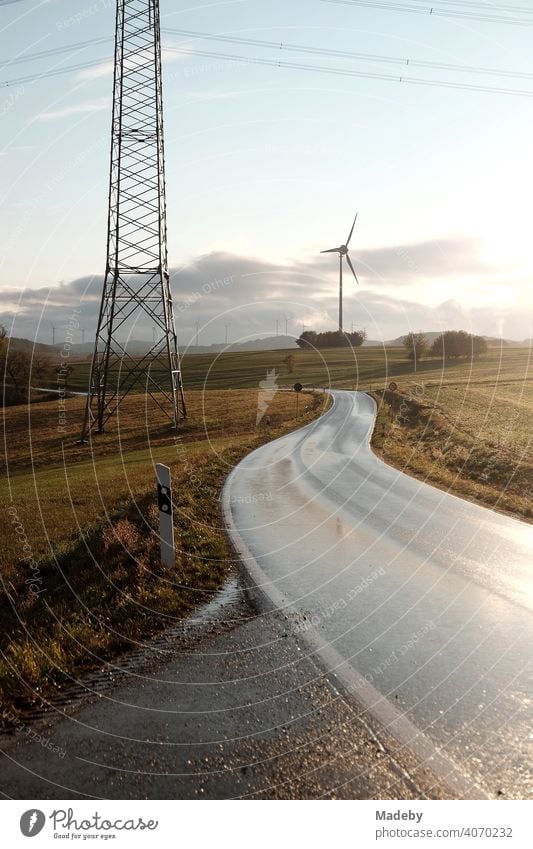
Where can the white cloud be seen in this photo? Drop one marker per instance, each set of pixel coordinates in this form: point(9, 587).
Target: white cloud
point(252, 294)
point(16, 147)
point(104, 69)
point(210, 94)
point(75, 109)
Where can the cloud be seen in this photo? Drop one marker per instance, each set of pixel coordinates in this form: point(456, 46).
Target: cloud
point(105, 69)
point(75, 109)
point(210, 94)
point(433, 259)
point(252, 294)
point(16, 148)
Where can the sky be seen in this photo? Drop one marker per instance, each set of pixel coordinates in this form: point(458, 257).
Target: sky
point(266, 167)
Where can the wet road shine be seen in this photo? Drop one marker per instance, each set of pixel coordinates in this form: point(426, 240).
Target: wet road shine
point(426, 597)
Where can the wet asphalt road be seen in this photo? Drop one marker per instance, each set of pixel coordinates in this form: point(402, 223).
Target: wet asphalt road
point(229, 706)
point(420, 600)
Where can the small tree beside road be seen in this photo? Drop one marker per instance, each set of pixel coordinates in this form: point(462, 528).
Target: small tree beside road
point(416, 346)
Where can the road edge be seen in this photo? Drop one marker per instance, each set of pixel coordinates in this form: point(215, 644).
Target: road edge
point(344, 678)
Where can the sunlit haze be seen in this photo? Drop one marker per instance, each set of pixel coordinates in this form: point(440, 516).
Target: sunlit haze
point(267, 165)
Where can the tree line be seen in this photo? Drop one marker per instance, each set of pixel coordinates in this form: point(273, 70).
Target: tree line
point(331, 339)
point(450, 345)
point(21, 370)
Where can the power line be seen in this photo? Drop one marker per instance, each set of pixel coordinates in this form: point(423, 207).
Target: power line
point(277, 45)
point(483, 6)
point(433, 11)
point(282, 45)
point(53, 51)
point(348, 54)
point(346, 72)
point(351, 73)
point(54, 73)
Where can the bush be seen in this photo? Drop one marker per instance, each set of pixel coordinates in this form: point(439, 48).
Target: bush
point(458, 343)
point(415, 345)
point(331, 339)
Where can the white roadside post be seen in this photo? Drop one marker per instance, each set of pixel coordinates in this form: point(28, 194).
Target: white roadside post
point(166, 524)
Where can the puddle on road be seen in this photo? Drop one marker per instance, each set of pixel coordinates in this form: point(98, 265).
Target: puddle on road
point(226, 610)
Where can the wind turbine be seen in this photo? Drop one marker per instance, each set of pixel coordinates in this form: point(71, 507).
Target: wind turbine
point(343, 254)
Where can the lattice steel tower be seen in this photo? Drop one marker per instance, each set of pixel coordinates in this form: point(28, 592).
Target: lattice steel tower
point(136, 281)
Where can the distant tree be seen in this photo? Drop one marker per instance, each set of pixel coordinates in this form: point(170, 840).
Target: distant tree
point(289, 361)
point(16, 373)
point(3, 348)
point(416, 346)
point(451, 345)
point(331, 339)
point(18, 369)
point(307, 339)
point(479, 346)
point(454, 344)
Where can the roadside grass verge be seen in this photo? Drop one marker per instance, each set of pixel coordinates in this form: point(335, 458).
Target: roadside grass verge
point(472, 441)
point(80, 570)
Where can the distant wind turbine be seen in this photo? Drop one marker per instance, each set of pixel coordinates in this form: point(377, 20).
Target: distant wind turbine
point(343, 254)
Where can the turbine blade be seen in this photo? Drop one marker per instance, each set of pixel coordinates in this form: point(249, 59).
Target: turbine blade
point(331, 251)
point(348, 260)
point(351, 231)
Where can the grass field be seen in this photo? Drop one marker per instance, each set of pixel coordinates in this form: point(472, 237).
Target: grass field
point(78, 562)
point(244, 370)
point(467, 428)
point(484, 407)
point(361, 368)
point(473, 431)
point(81, 578)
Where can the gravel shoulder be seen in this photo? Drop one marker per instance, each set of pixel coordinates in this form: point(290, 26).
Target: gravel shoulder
point(230, 707)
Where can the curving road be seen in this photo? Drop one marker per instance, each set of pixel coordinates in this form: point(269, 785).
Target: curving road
point(419, 602)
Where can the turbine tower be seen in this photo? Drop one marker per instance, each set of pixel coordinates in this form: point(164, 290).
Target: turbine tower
point(343, 254)
point(136, 284)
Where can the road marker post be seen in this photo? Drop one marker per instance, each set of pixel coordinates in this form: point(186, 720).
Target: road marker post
point(298, 388)
point(166, 523)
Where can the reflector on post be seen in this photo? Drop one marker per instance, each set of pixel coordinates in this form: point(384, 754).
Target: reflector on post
point(166, 523)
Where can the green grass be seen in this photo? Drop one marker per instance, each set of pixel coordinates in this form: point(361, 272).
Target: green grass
point(361, 368)
point(499, 414)
point(471, 433)
point(88, 512)
point(79, 562)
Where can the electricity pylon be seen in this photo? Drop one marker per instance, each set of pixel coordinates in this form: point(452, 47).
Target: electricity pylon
point(136, 281)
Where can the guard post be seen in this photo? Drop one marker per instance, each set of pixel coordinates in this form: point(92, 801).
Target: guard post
point(166, 523)
point(298, 388)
